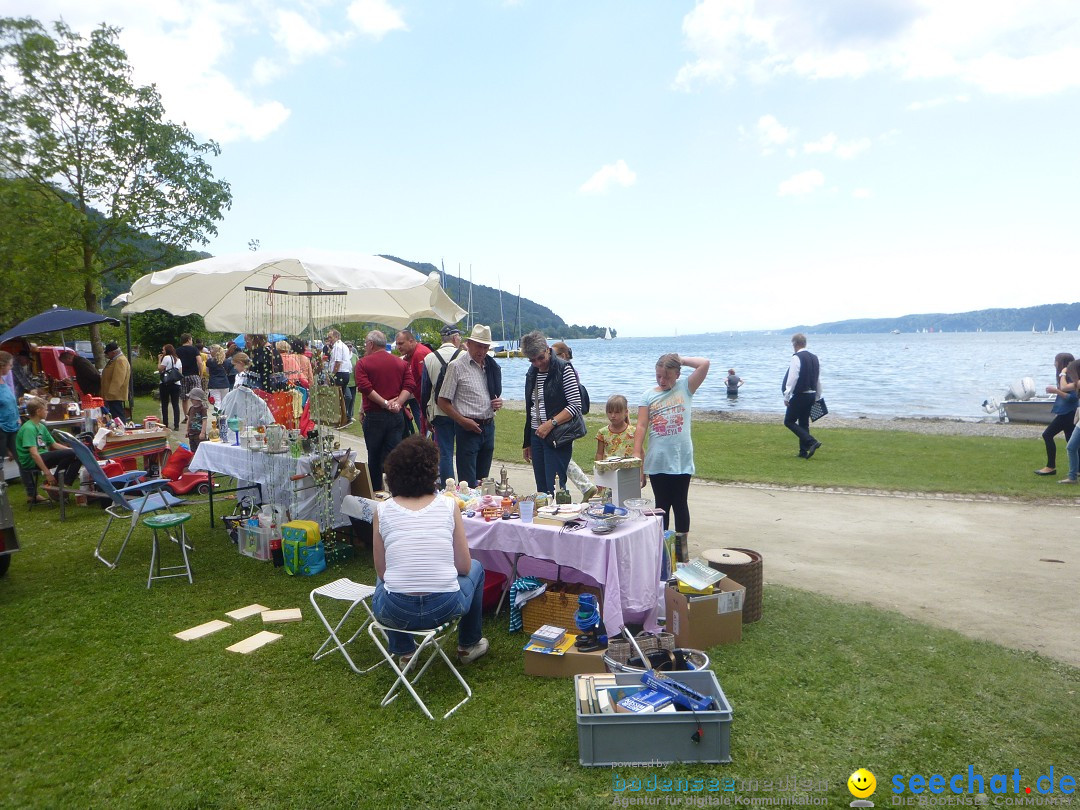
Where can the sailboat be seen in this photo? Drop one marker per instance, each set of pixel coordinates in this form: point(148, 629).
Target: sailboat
point(1050, 328)
point(607, 333)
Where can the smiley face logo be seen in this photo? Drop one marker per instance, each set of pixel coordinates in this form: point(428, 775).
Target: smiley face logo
point(862, 783)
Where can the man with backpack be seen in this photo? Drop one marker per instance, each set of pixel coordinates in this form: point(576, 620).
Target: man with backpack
point(434, 373)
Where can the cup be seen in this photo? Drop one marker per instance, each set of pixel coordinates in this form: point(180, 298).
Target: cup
point(526, 510)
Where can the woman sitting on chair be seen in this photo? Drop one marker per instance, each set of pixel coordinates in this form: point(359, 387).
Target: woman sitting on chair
point(426, 576)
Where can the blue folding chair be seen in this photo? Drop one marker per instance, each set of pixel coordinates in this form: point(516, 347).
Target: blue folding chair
point(145, 498)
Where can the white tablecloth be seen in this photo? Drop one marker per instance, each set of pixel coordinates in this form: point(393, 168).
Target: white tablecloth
point(274, 472)
point(626, 562)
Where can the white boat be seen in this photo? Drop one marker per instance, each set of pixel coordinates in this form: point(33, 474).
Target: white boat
point(607, 333)
point(1022, 405)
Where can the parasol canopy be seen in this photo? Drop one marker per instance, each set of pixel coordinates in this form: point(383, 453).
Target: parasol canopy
point(56, 319)
point(376, 289)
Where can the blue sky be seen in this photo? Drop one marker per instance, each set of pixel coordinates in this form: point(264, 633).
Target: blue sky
point(652, 166)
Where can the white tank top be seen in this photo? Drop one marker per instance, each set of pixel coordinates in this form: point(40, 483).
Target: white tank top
point(419, 547)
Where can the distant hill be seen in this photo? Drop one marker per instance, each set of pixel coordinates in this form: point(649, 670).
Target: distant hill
point(485, 309)
point(1064, 317)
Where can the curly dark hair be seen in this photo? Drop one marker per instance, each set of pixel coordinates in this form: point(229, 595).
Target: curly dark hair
point(412, 467)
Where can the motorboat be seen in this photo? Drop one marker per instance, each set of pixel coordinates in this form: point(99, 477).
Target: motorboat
point(1020, 404)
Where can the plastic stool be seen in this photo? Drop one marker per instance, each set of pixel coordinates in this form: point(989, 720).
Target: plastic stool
point(166, 523)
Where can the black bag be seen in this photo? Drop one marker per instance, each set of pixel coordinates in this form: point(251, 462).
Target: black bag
point(245, 509)
point(567, 432)
point(584, 398)
point(818, 410)
point(172, 375)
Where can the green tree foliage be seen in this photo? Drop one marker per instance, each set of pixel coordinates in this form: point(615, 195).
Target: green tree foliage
point(80, 134)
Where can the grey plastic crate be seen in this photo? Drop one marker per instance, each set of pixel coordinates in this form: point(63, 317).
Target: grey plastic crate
point(609, 739)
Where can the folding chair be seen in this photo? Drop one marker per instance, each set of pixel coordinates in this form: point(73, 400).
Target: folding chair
point(429, 642)
point(147, 497)
point(343, 590)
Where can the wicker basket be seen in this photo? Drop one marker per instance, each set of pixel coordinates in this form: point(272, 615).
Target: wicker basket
point(556, 606)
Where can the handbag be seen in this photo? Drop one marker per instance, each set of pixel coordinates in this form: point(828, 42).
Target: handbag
point(818, 410)
point(567, 432)
point(172, 375)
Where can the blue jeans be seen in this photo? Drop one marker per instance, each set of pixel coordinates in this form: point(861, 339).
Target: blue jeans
point(444, 438)
point(1072, 448)
point(474, 452)
point(382, 433)
point(403, 611)
point(549, 462)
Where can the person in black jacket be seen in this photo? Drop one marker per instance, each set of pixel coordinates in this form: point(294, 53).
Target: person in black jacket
point(86, 374)
point(801, 390)
point(552, 398)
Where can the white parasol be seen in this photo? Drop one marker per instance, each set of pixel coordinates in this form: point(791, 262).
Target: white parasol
point(376, 289)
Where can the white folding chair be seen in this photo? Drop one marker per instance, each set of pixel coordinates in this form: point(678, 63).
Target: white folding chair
point(429, 643)
point(343, 590)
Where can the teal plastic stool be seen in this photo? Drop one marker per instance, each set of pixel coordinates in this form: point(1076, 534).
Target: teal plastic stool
point(166, 523)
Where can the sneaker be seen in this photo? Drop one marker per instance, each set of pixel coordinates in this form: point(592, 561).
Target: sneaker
point(469, 654)
point(403, 660)
point(588, 494)
point(1067, 481)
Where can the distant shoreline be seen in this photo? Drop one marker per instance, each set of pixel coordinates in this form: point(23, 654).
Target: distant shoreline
point(929, 425)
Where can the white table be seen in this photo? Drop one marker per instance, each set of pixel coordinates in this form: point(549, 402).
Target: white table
point(274, 473)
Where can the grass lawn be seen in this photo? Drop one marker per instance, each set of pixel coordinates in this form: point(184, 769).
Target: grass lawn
point(104, 708)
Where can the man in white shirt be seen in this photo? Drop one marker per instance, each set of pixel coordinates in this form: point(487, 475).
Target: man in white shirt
point(339, 365)
point(435, 365)
point(801, 388)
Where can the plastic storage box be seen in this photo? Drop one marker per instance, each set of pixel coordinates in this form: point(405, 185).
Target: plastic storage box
point(255, 542)
point(609, 739)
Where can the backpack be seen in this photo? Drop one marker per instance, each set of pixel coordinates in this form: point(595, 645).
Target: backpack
point(427, 394)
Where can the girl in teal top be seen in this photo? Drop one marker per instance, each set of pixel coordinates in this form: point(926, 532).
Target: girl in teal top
point(664, 414)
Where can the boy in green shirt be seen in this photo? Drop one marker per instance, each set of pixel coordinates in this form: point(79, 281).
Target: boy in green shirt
point(35, 448)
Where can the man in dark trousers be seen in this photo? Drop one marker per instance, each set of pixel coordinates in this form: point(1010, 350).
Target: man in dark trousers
point(386, 383)
point(86, 374)
point(801, 389)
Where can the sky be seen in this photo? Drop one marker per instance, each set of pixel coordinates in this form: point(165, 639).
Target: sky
point(650, 165)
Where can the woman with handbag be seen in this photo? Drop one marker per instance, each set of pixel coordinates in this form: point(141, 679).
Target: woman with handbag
point(664, 417)
point(172, 373)
point(553, 402)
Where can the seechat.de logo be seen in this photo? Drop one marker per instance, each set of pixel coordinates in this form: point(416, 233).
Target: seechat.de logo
point(862, 785)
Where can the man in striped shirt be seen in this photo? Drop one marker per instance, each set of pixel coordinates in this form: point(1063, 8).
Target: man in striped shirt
point(471, 393)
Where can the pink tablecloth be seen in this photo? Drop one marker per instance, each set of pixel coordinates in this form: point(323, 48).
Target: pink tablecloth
point(626, 562)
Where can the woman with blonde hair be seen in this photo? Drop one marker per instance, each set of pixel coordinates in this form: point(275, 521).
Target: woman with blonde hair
point(218, 376)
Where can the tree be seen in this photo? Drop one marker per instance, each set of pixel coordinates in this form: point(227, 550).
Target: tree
point(77, 131)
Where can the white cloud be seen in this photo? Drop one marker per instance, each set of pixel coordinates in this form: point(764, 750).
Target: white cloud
point(298, 37)
point(617, 173)
point(862, 194)
point(849, 149)
point(1020, 47)
point(824, 146)
point(830, 144)
point(375, 18)
point(771, 133)
point(801, 183)
point(940, 101)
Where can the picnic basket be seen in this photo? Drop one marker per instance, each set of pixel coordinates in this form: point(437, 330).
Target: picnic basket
point(556, 606)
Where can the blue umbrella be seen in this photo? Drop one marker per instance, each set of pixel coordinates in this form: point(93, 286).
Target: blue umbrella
point(239, 340)
point(56, 319)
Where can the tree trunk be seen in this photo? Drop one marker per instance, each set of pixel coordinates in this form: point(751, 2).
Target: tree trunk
point(91, 299)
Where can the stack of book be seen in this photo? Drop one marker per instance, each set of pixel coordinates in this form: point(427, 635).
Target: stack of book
point(550, 639)
point(602, 694)
point(697, 577)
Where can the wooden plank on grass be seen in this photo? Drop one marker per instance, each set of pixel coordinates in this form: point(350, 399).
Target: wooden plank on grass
point(279, 616)
point(242, 613)
point(252, 643)
point(202, 630)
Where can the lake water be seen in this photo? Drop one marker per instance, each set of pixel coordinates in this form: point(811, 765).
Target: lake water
point(938, 374)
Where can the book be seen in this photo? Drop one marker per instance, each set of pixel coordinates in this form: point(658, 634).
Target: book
point(549, 635)
point(583, 693)
point(559, 649)
point(644, 701)
point(698, 574)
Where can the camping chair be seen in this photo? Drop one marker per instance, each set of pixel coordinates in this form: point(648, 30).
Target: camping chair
point(429, 643)
point(146, 496)
point(343, 590)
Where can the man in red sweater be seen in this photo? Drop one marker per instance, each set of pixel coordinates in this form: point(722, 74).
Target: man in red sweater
point(413, 352)
point(385, 382)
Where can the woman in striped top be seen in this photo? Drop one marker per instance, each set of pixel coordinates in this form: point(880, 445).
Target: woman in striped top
point(553, 397)
point(426, 576)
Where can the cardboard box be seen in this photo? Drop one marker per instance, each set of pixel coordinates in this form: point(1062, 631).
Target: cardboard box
point(567, 665)
point(700, 622)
